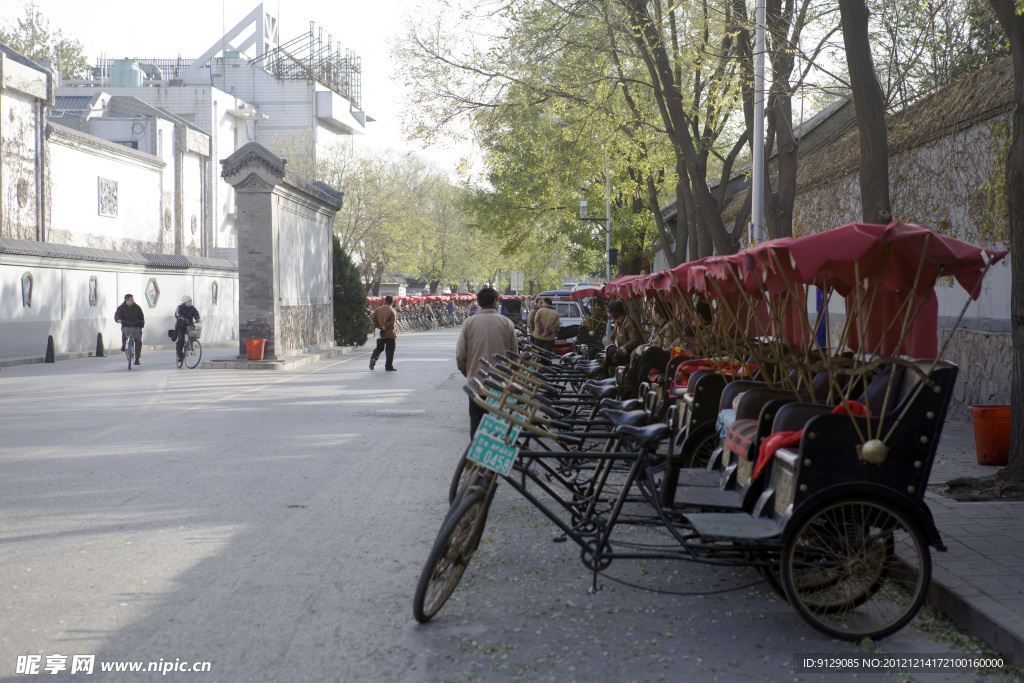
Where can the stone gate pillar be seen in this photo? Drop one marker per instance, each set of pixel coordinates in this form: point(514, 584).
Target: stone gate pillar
point(285, 253)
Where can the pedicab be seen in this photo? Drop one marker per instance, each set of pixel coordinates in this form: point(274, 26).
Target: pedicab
point(840, 525)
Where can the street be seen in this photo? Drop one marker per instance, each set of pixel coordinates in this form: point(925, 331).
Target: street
point(274, 525)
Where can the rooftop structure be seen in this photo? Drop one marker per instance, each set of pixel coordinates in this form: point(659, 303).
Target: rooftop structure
point(297, 98)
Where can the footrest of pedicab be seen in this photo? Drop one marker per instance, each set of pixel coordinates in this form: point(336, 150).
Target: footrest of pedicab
point(733, 526)
point(705, 497)
point(700, 478)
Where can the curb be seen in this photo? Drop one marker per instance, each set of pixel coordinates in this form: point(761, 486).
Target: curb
point(281, 364)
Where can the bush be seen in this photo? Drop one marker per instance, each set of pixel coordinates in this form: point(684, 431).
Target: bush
point(351, 326)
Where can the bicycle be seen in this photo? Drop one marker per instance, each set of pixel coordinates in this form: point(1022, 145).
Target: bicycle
point(129, 350)
point(192, 350)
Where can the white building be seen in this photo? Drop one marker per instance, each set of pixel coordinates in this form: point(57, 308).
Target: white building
point(296, 98)
point(84, 220)
point(151, 171)
point(26, 90)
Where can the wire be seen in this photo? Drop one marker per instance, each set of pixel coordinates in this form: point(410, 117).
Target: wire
point(682, 593)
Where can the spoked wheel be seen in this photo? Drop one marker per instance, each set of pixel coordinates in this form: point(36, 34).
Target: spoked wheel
point(178, 359)
point(460, 477)
point(130, 352)
point(193, 353)
point(697, 450)
point(771, 576)
point(856, 569)
point(454, 547)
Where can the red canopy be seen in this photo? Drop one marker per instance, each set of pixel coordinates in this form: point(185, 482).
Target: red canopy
point(586, 292)
point(894, 252)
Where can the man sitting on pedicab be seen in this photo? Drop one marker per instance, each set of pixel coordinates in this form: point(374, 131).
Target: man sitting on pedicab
point(669, 334)
point(626, 335)
point(592, 330)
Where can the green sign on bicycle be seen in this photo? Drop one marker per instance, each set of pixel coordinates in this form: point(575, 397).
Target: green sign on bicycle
point(494, 454)
point(499, 428)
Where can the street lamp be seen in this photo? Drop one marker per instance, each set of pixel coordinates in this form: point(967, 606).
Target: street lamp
point(757, 139)
point(607, 196)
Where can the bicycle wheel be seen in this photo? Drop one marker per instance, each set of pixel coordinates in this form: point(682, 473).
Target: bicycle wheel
point(130, 351)
point(454, 547)
point(193, 353)
point(459, 478)
point(856, 569)
point(178, 359)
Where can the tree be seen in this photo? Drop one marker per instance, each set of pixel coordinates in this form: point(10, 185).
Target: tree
point(869, 103)
point(1011, 19)
point(921, 47)
point(351, 326)
point(33, 38)
point(573, 62)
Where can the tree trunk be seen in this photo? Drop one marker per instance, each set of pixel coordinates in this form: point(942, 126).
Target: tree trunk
point(1013, 24)
point(652, 47)
point(869, 103)
point(780, 199)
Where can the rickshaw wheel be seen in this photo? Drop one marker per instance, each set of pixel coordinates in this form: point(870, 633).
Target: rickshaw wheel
point(698, 451)
point(456, 541)
point(459, 478)
point(771, 576)
point(856, 568)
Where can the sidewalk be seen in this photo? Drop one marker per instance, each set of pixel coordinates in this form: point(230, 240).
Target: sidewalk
point(979, 581)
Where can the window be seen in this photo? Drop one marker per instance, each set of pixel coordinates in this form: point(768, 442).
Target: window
point(134, 144)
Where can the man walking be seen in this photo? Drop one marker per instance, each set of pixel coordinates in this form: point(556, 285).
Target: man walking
point(383, 319)
point(545, 325)
point(482, 336)
point(132, 320)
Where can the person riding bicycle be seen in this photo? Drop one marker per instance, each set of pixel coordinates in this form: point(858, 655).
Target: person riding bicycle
point(132, 320)
point(184, 315)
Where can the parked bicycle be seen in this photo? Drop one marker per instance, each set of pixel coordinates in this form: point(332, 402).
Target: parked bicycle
point(192, 350)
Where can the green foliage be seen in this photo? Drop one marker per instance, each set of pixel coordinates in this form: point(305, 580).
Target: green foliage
point(351, 326)
point(994, 227)
point(33, 37)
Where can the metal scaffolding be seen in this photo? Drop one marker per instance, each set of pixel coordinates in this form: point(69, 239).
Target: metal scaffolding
point(309, 56)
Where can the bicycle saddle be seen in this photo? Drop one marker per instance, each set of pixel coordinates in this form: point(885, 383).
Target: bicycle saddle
point(645, 436)
point(628, 404)
point(631, 418)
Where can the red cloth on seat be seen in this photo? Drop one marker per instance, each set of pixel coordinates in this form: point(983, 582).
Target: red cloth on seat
point(766, 451)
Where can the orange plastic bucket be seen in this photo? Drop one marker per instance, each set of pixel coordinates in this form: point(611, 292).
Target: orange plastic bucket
point(991, 434)
point(254, 348)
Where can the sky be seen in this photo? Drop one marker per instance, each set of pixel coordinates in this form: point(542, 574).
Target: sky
point(118, 28)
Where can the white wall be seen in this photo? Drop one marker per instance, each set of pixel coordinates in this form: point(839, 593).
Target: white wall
point(21, 90)
point(77, 162)
point(303, 240)
point(207, 108)
point(60, 306)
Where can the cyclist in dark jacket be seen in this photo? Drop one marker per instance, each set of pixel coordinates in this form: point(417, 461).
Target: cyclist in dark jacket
point(184, 315)
point(132, 320)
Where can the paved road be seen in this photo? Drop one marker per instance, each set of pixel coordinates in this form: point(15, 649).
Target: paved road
point(274, 524)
